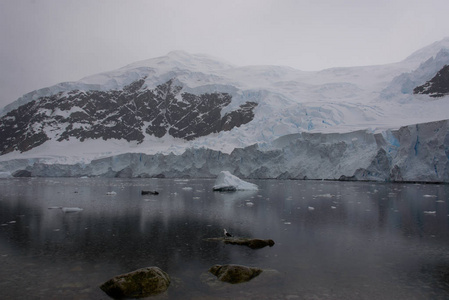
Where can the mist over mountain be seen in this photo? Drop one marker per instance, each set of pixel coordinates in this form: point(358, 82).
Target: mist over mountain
point(190, 102)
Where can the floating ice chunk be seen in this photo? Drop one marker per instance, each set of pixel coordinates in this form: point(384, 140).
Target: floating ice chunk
point(227, 182)
point(249, 204)
point(430, 196)
point(311, 208)
point(325, 196)
point(71, 209)
point(5, 175)
point(111, 193)
point(187, 188)
point(429, 212)
point(333, 207)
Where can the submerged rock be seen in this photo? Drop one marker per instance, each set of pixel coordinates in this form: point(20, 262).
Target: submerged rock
point(224, 188)
point(258, 285)
point(140, 283)
point(252, 243)
point(234, 273)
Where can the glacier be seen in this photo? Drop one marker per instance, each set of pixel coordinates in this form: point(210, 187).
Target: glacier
point(356, 123)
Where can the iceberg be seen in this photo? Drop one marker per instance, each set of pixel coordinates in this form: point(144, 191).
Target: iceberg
point(227, 182)
point(71, 209)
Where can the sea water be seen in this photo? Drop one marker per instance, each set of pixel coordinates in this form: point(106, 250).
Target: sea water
point(333, 240)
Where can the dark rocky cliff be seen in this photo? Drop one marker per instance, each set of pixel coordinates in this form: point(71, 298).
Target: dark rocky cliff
point(128, 114)
point(438, 86)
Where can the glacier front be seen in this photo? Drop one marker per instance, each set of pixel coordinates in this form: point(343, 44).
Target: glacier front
point(414, 153)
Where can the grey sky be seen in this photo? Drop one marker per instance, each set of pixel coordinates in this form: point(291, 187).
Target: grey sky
point(44, 42)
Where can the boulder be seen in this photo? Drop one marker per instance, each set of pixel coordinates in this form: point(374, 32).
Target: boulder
point(140, 283)
point(234, 273)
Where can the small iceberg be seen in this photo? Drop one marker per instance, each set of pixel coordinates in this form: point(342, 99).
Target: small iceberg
point(71, 209)
point(55, 207)
point(5, 175)
point(226, 182)
point(111, 193)
point(429, 212)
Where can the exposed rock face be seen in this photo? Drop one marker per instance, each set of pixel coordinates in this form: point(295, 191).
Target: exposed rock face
point(438, 86)
point(137, 284)
point(127, 114)
point(234, 273)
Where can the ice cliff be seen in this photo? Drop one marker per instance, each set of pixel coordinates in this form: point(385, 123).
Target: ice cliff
point(413, 153)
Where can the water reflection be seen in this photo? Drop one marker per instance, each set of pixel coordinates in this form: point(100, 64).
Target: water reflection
point(334, 240)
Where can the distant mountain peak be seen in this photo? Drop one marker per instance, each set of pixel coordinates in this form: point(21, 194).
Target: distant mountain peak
point(429, 51)
point(183, 60)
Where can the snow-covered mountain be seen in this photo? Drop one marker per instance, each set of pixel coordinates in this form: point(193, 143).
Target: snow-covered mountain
point(191, 101)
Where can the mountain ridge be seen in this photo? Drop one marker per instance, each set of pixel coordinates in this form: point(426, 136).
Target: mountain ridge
point(270, 101)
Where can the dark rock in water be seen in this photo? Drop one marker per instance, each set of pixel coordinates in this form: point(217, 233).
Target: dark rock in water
point(225, 189)
point(21, 173)
point(140, 283)
point(150, 193)
point(347, 178)
point(252, 243)
point(234, 273)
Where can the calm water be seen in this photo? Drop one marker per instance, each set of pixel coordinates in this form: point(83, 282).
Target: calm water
point(360, 240)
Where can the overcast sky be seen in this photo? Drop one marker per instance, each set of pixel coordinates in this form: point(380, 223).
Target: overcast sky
point(44, 42)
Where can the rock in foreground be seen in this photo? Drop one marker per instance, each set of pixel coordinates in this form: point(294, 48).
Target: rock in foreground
point(140, 283)
point(234, 273)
